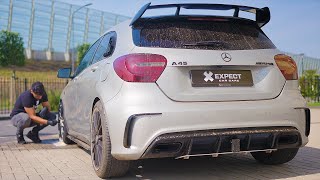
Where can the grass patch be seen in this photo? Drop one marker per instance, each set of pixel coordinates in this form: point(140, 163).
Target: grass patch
point(7, 73)
point(314, 104)
point(35, 69)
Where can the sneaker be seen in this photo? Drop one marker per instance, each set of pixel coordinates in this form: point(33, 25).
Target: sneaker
point(20, 139)
point(34, 137)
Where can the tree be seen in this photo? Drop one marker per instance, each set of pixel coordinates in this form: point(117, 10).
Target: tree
point(81, 50)
point(11, 49)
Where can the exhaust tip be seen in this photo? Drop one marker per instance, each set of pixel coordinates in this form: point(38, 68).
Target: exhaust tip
point(286, 139)
point(167, 148)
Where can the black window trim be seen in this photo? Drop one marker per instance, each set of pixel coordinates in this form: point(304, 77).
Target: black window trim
point(113, 37)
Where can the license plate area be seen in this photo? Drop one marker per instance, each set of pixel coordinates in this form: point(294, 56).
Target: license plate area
point(221, 78)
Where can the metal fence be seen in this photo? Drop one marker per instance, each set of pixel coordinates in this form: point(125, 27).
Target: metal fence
point(305, 63)
point(11, 88)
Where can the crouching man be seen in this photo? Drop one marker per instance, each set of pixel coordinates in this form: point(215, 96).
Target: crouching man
point(24, 113)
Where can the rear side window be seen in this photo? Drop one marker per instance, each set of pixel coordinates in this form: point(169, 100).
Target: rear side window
point(210, 35)
point(106, 47)
point(85, 62)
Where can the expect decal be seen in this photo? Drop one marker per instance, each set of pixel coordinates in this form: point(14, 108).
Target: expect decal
point(210, 76)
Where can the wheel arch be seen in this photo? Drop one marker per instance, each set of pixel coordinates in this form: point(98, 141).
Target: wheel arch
point(94, 103)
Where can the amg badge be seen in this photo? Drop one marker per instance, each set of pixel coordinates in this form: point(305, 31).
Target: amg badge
point(264, 63)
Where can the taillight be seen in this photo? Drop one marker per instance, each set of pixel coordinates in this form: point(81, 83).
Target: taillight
point(140, 67)
point(287, 66)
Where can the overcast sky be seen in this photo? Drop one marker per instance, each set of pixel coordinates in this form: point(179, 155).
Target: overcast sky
point(294, 25)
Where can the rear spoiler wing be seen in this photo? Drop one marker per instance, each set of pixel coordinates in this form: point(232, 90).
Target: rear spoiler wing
point(262, 14)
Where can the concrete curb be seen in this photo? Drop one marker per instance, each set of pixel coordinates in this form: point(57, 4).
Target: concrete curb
point(4, 117)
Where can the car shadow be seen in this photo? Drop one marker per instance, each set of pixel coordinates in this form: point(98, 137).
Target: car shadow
point(238, 166)
point(49, 142)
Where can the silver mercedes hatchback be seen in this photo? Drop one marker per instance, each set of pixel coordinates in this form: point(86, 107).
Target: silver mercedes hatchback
point(182, 85)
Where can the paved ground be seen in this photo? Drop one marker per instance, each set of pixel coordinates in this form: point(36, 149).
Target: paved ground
point(52, 160)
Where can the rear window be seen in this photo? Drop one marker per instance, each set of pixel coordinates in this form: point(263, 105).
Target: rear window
point(199, 34)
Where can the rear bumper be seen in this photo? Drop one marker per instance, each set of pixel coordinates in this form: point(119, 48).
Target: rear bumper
point(136, 118)
point(214, 142)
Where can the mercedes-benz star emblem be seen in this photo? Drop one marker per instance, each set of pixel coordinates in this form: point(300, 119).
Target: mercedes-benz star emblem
point(226, 57)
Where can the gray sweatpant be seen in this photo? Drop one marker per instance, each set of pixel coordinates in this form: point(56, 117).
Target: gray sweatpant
point(22, 121)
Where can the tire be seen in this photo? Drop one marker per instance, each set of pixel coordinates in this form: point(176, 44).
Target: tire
point(104, 164)
point(62, 126)
point(280, 156)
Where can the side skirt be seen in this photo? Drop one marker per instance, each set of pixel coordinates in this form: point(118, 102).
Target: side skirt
point(79, 142)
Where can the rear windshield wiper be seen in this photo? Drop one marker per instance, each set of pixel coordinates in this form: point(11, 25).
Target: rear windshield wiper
point(207, 43)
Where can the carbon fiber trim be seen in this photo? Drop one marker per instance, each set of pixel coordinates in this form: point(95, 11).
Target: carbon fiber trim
point(129, 125)
point(193, 143)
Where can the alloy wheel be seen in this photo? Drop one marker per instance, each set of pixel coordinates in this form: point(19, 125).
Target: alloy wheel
point(96, 140)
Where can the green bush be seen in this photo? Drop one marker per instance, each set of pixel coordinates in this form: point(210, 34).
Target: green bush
point(309, 84)
point(81, 50)
point(54, 99)
point(11, 49)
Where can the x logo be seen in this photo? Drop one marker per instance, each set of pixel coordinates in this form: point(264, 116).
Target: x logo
point(208, 76)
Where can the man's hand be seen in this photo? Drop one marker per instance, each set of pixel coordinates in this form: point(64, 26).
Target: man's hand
point(52, 123)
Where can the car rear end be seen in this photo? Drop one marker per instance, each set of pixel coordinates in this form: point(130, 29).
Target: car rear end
point(198, 85)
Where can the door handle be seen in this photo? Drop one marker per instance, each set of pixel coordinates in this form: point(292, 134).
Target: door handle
point(94, 69)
